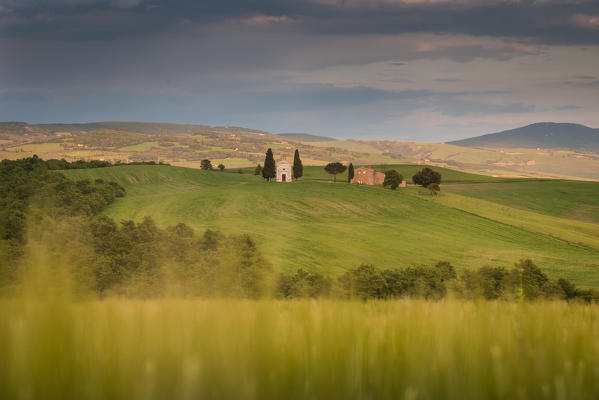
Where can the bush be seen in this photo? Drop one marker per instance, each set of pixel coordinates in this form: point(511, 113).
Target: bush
point(392, 179)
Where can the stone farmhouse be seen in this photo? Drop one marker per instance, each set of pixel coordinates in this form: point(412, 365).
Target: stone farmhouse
point(370, 176)
point(284, 171)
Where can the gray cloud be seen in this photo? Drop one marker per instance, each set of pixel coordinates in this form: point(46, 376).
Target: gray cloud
point(567, 107)
point(544, 22)
point(458, 108)
point(344, 112)
point(238, 62)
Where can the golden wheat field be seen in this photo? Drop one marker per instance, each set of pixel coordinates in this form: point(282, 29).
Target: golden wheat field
point(57, 348)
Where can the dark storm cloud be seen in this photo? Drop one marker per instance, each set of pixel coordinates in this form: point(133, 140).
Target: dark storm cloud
point(565, 22)
point(200, 105)
point(291, 65)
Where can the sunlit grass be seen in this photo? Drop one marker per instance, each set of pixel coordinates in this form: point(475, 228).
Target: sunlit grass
point(236, 349)
point(328, 228)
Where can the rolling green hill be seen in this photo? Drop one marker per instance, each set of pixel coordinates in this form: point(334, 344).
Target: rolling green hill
point(317, 225)
point(566, 199)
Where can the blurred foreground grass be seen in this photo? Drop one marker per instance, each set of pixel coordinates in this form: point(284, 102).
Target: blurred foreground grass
point(236, 349)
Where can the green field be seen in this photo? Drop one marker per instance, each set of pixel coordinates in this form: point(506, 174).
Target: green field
point(53, 348)
point(325, 227)
point(571, 200)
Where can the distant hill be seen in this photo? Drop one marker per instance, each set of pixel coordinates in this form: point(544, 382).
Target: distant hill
point(305, 137)
point(148, 128)
point(235, 147)
point(544, 135)
point(138, 127)
point(13, 127)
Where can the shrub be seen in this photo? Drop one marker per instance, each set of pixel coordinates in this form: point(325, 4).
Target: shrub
point(392, 179)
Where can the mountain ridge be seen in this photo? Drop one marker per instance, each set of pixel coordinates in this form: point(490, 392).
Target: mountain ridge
point(539, 135)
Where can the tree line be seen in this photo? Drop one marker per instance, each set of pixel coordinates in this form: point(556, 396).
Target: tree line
point(54, 164)
point(31, 191)
point(525, 281)
point(40, 207)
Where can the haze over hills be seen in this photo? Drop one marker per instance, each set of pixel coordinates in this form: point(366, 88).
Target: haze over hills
point(148, 128)
point(237, 147)
point(306, 137)
point(545, 135)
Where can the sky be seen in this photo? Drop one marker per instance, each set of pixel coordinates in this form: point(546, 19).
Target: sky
point(418, 70)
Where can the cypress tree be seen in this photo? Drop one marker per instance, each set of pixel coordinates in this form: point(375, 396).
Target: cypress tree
point(350, 173)
point(298, 168)
point(269, 170)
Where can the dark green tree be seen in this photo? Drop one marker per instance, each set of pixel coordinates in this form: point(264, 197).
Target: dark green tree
point(529, 278)
point(426, 177)
point(392, 179)
point(364, 282)
point(270, 169)
point(334, 169)
point(221, 167)
point(258, 170)
point(303, 284)
point(298, 168)
point(447, 270)
point(206, 165)
point(568, 288)
point(350, 172)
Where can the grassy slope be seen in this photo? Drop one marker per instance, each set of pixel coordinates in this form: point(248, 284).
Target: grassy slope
point(572, 200)
point(329, 228)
